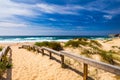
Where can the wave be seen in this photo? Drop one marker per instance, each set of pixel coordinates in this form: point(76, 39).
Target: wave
point(18, 39)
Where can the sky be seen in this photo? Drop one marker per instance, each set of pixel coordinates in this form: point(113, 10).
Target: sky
point(59, 17)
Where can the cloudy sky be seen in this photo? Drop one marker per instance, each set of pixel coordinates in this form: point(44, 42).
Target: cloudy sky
point(59, 17)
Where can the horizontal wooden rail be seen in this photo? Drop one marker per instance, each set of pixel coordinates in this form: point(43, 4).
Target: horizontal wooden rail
point(97, 64)
point(86, 61)
point(4, 51)
point(51, 50)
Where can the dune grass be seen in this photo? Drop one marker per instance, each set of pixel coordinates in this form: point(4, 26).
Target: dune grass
point(4, 65)
point(53, 45)
point(1, 48)
point(107, 56)
point(94, 48)
point(72, 43)
point(82, 41)
point(96, 43)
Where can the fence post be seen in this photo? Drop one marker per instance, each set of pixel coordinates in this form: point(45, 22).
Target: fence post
point(42, 51)
point(85, 71)
point(50, 55)
point(62, 61)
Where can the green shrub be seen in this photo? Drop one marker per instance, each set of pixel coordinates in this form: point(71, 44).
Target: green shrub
point(53, 45)
point(76, 43)
point(72, 43)
point(1, 48)
point(82, 39)
point(4, 64)
point(107, 56)
point(45, 43)
point(96, 43)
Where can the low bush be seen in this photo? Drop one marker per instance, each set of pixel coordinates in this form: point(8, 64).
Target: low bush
point(53, 45)
point(1, 48)
point(107, 56)
point(72, 43)
point(83, 42)
point(96, 43)
point(4, 65)
point(82, 39)
point(45, 43)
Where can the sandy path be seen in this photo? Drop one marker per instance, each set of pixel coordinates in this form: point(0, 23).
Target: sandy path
point(31, 66)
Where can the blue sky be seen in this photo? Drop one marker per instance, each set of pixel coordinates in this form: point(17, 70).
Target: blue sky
point(59, 17)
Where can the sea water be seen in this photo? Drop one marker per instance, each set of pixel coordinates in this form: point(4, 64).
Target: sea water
point(16, 39)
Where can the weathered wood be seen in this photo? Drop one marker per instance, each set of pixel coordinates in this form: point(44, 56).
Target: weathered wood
point(42, 51)
point(97, 64)
point(88, 61)
point(4, 52)
point(85, 72)
point(1, 55)
point(51, 50)
point(62, 61)
point(50, 54)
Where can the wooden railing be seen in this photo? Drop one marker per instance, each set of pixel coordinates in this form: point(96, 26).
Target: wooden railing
point(4, 51)
point(86, 61)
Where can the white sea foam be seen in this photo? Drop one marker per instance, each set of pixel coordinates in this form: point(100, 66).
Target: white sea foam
point(19, 39)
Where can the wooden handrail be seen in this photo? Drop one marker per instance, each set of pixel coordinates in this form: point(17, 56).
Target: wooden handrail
point(94, 63)
point(51, 50)
point(86, 61)
point(4, 51)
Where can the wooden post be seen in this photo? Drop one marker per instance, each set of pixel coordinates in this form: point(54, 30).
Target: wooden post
point(33, 48)
point(29, 48)
point(42, 51)
point(85, 71)
point(62, 61)
point(50, 55)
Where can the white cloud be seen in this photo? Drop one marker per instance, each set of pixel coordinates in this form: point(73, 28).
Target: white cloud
point(52, 19)
point(12, 24)
point(9, 9)
point(51, 8)
point(107, 16)
point(102, 6)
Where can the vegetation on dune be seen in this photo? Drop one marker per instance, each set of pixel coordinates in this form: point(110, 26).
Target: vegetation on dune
point(96, 43)
point(1, 48)
point(4, 65)
point(82, 39)
point(107, 56)
point(83, 42)
point(45, 43)
point(116, 47)
point(53, 45)
point(72, 43)
point(91, 47)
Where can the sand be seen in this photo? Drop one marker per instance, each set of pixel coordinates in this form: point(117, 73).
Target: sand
point(28, 65)
point(31, 66)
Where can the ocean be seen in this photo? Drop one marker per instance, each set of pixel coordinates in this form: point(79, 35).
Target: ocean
point(16, 39)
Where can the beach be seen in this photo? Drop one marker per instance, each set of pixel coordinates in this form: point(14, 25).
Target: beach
point(29, 65)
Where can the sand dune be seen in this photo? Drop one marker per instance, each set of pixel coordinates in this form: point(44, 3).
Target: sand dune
point(28, 65)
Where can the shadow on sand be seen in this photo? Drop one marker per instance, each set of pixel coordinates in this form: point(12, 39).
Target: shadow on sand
point(69, 67)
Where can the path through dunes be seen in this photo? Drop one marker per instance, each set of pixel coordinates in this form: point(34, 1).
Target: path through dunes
point(31, 66)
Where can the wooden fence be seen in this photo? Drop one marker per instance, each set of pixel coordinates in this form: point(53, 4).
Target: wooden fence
point(86, 61)
point(4, 51)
